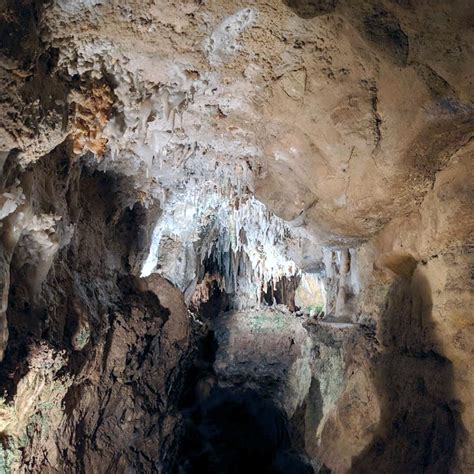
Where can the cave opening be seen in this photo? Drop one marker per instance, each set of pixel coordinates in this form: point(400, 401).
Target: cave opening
point(231, 428)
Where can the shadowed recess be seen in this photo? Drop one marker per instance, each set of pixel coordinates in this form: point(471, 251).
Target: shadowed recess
point(311, 8)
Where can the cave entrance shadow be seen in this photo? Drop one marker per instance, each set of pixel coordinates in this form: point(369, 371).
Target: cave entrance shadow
point(419, 426)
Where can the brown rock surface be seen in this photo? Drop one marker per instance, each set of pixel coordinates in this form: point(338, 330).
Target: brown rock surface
point(105, 397)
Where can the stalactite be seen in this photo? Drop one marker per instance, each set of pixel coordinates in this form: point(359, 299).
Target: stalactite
point(249, 249)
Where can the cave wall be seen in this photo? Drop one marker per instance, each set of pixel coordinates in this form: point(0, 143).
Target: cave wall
point(93, 366)
point(406, 393)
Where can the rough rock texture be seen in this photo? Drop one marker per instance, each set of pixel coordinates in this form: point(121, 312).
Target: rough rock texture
point(348, 126)
point(341, 410)
point(268, 351)
point(412, 285)
point(94, 362)
point(222, 82)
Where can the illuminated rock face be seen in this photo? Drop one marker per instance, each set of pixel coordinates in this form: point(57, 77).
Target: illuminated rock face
point(237, 237)
point(165, 160)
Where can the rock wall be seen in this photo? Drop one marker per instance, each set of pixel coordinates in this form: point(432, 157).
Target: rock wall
point(406, 399)
point(93, 367)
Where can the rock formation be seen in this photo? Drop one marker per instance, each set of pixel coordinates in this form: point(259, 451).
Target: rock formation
point(236, 237)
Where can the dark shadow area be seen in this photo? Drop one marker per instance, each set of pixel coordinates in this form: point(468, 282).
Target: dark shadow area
point(218, 302)
point(200, 376)
point(283, 292)
point(312, 416)
point(383, 29)
point(237, 431)
point(50, 307)
point(231, 430)
point(311, 8)
point(420, 426)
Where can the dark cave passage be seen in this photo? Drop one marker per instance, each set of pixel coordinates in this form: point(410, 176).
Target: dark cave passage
point(236, 430)
point(231, 429)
